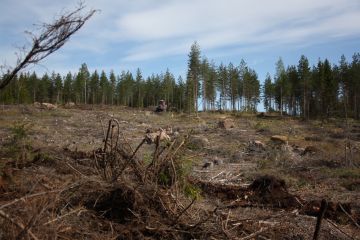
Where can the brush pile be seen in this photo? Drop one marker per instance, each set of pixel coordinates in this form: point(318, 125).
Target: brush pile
point(108, 194)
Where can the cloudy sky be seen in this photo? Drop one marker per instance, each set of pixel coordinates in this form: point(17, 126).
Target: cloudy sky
point(157, 34)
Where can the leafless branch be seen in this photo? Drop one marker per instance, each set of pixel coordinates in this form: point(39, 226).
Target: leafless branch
point(19, 225)
point(51, 38)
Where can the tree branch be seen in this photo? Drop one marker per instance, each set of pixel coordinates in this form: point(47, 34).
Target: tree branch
point(51, 38)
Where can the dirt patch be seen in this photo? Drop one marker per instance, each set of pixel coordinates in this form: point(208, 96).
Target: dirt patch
point(115, 205)
point(336, 211)
point(273, 191)
point(353, 185)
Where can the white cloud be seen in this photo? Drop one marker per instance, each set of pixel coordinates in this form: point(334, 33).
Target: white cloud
point(220, 23)
point(150, 29)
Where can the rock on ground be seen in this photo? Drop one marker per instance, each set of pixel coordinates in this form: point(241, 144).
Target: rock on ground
point(279, 139)
point(226, 123)
point(199, 142)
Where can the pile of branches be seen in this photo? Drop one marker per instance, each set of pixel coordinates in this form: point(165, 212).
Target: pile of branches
point(151, 190)
point(130, 197)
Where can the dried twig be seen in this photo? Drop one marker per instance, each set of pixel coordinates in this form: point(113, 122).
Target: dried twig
point(130, 159)
point(76, 170)
point(32, 222)
point(340, 230)
point(206, 219)
point(183, 211)
point(51, 38)
point(254, 234)
point(347, 214)
point(27, 197)
point(19, 225)
point(64, 215)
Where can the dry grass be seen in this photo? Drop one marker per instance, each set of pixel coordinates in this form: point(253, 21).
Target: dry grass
point(78, 200)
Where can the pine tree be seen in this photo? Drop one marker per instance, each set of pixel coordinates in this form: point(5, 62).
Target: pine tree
point(82, 84)
point(304, 78)
point(126, 88)
point(331, 90)
point(223, 86)
point(281, 85)
point(294, 94)
point(211, 86)
point(32, 85)
point(43, 90)
point(112, 86)
point(104, 85)
point(58, 84)
point(269, 93)
point(204, 76)
point(193, 76)
point(251, 90)
point(233, 82)
point(68, 88)
point(167, 87)
point(180, 89)
point(94, 87)
point(21, 89)
point(138, 94)
point(242, 70)
point(355, 85)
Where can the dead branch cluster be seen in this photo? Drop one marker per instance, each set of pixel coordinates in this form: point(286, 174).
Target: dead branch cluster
point(142, 192)
point(130, 197)
point(52, 37)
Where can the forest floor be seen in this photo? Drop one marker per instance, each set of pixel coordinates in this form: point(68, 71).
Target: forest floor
point(259, 177)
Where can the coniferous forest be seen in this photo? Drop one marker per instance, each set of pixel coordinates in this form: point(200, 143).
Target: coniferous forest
point(319, 91)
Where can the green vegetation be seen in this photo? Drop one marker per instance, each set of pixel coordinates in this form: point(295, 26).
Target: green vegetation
point(19, 148)
point(322, 91)
point(192, 191)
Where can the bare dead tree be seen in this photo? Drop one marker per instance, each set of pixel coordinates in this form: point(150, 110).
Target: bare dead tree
point(51, 38)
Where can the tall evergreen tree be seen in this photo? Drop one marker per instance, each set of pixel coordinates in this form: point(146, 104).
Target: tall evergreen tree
point(304, 78)
point(104, 86)
point(94, 86)
point(167, 87)
point(269, 93)
point(242, 70)
point(68, 88)
point(294, 94)
point(233, 82)
point(355, 85)
point(251, 90)
point(58, 84)
point(223, 85)
point(210, 85)
point(82, 84)
point(138, 94)
point(33, 84)
point(281, 85)
point(193, 76)
point(112, 79)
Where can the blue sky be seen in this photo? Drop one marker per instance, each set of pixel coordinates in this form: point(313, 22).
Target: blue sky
point(157, 34)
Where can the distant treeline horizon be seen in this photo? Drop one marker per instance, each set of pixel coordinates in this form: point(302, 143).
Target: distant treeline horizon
point(319, 91)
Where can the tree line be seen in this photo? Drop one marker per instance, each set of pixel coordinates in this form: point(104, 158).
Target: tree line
point(323, 90)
